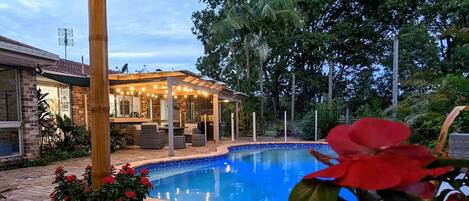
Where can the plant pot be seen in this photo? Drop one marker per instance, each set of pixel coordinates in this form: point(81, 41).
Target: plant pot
point(459, 145)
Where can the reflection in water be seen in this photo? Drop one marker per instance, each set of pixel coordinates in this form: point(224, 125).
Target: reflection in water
point(258, 176)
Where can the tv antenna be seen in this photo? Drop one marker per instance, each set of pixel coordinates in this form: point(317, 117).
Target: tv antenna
point(65, 38)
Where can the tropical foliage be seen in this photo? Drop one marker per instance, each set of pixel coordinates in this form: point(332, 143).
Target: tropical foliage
point(304, 38)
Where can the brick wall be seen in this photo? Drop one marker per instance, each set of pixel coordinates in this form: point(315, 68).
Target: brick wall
point(78, 105)
point(28, 93)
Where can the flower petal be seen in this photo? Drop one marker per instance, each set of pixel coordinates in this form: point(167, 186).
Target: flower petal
point(377, 133)
point(335, 171)
point(339, 140)
point(370, 174)
point(414, 152)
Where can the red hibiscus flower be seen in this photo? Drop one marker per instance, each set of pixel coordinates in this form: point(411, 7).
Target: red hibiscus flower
point(146, 182)
point(130, 194)
point(70, 179)
point(372, 156)
point(109, 180)
point(144, 172)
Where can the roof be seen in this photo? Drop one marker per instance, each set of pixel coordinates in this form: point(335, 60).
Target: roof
point(14, 42)
point(13, 49)
point(69, 67)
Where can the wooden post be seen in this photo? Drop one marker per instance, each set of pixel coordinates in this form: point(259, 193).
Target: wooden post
point(205, 127)
point(315, 125)
point(216, 118)
point(170, 118)
point(99, 89)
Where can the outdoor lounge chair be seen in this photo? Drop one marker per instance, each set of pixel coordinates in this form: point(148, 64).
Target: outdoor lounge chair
point(151, 137)
point(198, 139)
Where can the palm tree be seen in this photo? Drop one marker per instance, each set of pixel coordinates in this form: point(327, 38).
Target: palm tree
point(249, 20)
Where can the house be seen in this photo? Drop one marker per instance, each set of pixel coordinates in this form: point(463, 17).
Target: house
point(133, 98)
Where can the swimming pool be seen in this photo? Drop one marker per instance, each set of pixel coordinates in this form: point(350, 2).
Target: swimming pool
point(248, 172)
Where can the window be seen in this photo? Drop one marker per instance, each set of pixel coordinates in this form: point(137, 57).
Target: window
point(10, 118)
point(124, 106)
point(58, 98)
point(164, 109)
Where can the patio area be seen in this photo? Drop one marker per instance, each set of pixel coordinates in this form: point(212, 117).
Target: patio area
point(35, 183)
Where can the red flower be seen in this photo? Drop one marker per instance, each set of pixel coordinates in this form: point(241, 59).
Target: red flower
point(130, 194)
point(372, 156)
point(71, 178)
point(144, 172)
point(59, 169)
point(127, 165)
point(146, 182)
point(130, 171)
point(109, 180)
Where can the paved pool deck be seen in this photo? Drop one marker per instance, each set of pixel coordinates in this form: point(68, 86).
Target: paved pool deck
point(35, 183)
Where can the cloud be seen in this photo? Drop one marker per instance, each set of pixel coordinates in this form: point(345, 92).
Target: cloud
point(4, 6)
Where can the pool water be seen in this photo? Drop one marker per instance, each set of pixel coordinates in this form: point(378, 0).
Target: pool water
point(255, 175)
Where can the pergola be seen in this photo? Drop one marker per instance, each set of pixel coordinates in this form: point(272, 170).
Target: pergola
point(172, 85)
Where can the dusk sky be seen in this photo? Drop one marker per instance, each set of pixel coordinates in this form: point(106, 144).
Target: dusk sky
point(155, 33)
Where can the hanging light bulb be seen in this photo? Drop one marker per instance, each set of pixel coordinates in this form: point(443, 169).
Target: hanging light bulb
point(195, 96)
point(148, 94)
point(165, 96)
point(155, 86)
point(179, 87)
point(118, 90)
point(122, 93)
point(132, 88)
point(143, 88)
point(156, 96)
point(185, 96)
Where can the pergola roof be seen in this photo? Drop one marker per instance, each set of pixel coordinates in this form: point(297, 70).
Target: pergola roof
point(182, 77)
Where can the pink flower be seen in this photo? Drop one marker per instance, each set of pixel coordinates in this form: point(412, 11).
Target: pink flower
point(71, 178)
point(130, 194)
point(109, 180)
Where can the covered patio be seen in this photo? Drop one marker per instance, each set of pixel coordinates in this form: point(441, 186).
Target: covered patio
point(174, 100)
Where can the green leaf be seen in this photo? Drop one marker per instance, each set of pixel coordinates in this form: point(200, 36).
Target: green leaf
point(442, 162)
point(314, 190)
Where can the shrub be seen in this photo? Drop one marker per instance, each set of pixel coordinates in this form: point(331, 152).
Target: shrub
point(123, 185)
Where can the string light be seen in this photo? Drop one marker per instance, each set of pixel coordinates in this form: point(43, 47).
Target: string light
point(132, 88)
point(143, 88)
point(156, 96)
point(118, 90)
point(148, 94)
point(127, 93)
point(179, 87)
point(155, 86)
point(122, 93)
point(165, 96)
point(139, 92)
point(185, 96)
point(175, 97)
point(195, 96)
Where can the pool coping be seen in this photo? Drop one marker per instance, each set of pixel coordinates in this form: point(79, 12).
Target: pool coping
point(220, 151)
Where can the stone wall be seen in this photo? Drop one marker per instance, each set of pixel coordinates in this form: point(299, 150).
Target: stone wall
point(78, 100)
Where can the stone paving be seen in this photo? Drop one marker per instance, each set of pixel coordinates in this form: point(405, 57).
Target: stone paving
point(35, 183)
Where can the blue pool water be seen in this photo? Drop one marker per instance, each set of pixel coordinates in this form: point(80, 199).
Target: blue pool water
point(248, 175)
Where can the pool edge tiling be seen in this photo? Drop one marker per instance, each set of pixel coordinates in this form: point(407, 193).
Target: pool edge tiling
point(221, 152)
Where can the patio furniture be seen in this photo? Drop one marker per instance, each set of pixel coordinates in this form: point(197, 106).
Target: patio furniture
point(188, 131)
point(151, 137)
point(198, 139)
point(179, 142)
